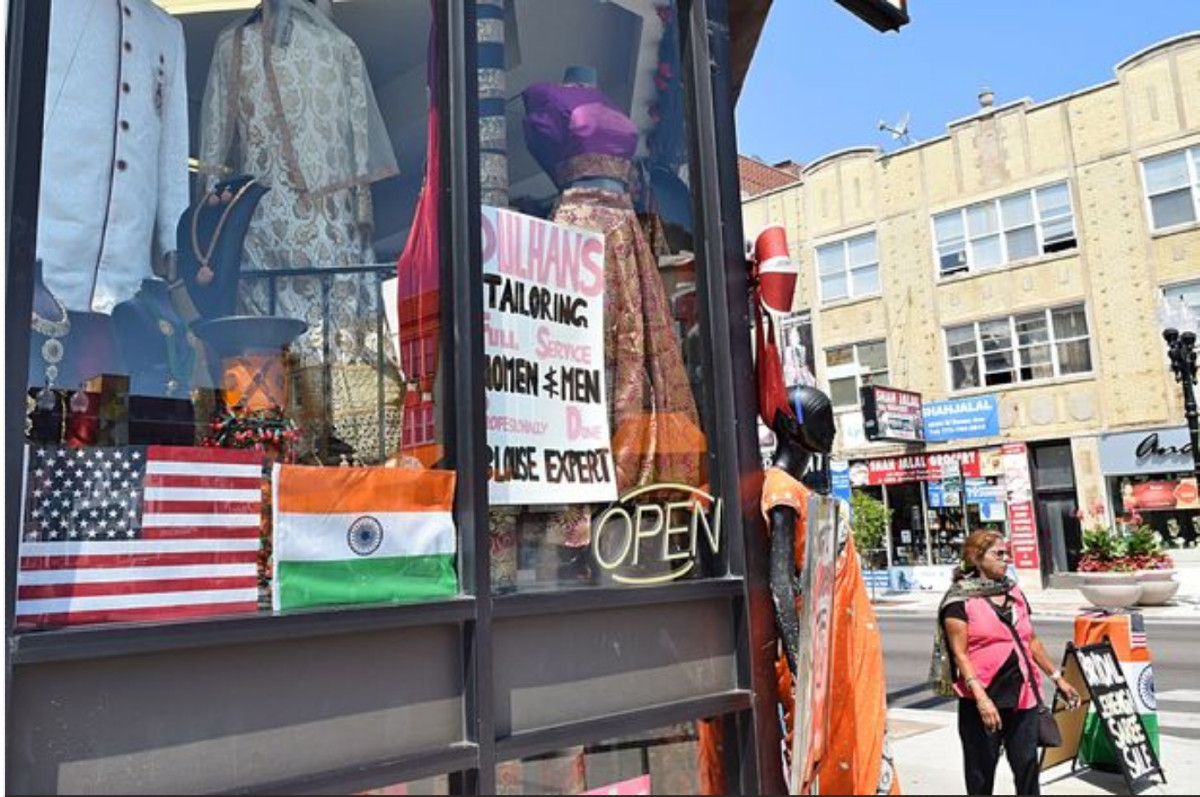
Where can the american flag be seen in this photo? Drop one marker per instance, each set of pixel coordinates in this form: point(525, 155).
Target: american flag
point(144, 533)
point(1137, 631)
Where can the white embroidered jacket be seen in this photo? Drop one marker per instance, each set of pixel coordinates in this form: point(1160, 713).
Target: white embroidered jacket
point(114, 154)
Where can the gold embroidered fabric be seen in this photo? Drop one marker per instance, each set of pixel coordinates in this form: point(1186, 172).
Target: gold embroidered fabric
point(652, 413)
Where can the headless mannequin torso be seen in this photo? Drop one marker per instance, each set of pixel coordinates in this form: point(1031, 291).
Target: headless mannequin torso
point(154, 342)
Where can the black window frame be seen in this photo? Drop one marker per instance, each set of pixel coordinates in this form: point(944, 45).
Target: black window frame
point(748, 709)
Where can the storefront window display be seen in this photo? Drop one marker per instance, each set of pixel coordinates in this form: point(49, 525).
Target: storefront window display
point(1148, 473)
point(253, 497)
point(597, 442)
point(233, 407)
point(936, 500)
point(1167, 502)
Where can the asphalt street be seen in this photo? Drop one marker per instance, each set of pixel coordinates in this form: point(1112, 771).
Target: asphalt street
point(908, 641)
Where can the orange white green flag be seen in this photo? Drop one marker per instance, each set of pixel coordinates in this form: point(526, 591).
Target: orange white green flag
point(361, 535)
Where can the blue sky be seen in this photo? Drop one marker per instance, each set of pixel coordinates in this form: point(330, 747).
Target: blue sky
point(822, 80)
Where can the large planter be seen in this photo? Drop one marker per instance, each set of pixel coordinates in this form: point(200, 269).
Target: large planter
point(1158, 587)
point(1112, 590)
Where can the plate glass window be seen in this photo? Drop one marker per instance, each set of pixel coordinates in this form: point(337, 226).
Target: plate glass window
point(595, 343)
point(225, 371)
point(1021, 348)
point(849, 268)
point(1173, 188)
point(1010, 229)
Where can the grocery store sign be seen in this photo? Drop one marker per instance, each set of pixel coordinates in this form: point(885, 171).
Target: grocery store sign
point(640, 540)
point(921, 467)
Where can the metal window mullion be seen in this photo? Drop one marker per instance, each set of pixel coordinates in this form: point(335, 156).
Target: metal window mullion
point(1040, 233)
point(1002, 232)
point(1053, 342)
point(1194, 172)
point(462, 302)
point(962, 215)
point(722, 280)
point(845, 246)
point(28, 32)
point(1013, 348)
point(979, 354)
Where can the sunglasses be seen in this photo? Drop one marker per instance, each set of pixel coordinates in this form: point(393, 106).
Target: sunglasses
point(1005, 554)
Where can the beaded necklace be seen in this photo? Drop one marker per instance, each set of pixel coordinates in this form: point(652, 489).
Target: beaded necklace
point(205, 274)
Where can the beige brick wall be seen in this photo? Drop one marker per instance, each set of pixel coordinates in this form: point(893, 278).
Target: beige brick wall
point(1095, 139)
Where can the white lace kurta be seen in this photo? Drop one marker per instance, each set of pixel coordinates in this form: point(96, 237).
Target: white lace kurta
point(299, 128)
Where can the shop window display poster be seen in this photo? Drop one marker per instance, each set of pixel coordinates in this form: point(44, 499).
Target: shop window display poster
point(543, 310)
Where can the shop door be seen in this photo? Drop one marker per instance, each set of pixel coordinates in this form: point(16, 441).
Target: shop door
point(1058, 530)
point(1054, 496)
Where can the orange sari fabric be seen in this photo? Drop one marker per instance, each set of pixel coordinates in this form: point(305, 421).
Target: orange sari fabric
point(856, 759)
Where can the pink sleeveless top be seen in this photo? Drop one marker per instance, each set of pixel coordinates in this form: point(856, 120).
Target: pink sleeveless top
point(990, 643)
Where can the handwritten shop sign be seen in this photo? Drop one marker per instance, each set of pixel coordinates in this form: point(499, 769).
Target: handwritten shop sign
point(543, 315)
point(1119, 715)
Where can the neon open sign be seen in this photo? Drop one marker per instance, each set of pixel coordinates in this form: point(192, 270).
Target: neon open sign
point(636, 541)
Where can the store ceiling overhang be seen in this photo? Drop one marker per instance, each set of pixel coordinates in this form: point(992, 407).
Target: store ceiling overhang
point(746, 20)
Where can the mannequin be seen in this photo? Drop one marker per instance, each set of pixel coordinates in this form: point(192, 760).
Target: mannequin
point(67, 347)
point(796, 444)
point(288, 100)
point(114, 153)
point(586, 144)
point(855, 758)
point(160, 354)
point(210, 238)
point(155, 344)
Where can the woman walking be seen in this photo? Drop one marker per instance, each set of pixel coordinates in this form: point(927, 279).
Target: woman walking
point(983, 615)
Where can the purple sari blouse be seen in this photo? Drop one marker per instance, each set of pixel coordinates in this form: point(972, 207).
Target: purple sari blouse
point(576, 131)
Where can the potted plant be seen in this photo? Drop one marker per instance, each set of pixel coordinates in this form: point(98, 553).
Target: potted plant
point(1155, 568)
point(1110, 578)
point(869, 522)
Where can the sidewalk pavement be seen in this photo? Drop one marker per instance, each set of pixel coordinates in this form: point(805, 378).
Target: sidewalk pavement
point(928, 758)
point(1055, 602)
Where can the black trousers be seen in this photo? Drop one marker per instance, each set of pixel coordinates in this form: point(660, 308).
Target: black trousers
point(981, 750)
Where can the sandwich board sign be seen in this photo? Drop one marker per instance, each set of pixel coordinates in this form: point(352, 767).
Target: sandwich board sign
point(1096, 674)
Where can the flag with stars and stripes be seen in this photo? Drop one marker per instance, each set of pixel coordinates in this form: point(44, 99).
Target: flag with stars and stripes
point(138, 533)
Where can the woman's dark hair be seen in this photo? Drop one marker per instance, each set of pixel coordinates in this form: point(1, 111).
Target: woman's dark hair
point(973, 549)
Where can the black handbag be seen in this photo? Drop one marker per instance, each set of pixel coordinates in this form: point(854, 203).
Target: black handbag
point(1048, 733)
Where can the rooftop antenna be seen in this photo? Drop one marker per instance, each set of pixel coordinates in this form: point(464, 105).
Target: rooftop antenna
point(899, 131)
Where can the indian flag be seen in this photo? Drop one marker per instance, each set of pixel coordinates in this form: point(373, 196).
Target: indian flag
point(361, 535)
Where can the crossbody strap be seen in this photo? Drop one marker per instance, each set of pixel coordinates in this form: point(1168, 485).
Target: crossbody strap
point(1012, 629)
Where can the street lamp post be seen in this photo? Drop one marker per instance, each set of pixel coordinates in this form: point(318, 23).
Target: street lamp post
point(1179, 331)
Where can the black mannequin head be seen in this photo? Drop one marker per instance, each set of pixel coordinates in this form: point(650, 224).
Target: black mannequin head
point(581, 75)
point(811, 431)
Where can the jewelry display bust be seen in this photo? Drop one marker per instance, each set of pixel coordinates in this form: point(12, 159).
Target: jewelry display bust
point(209, 240)
point(67, 347)
point(155, 343)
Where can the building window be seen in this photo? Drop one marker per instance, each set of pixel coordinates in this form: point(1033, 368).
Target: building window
point(1189, 292)
point(1005, 230)
point(850, 367)
point(1173, 188)
point(1020, 348)
point(849, 268)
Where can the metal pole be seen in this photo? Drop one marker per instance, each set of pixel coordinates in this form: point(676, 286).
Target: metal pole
point(1182, 348)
